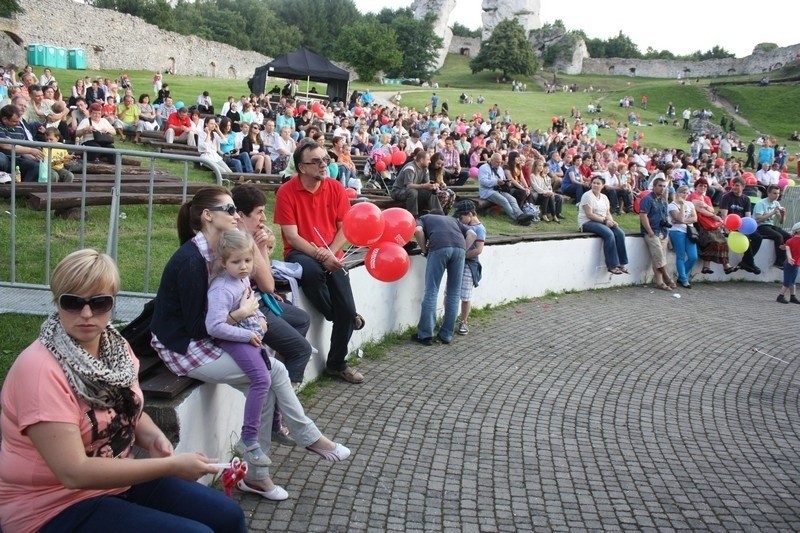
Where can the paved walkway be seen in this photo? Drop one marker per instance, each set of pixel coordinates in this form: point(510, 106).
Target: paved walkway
point(623, 409)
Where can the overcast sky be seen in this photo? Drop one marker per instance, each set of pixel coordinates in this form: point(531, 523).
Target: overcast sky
point(680, 26)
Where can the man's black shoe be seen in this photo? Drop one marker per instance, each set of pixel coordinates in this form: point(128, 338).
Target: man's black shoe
point(524, 219)
point(425, 341)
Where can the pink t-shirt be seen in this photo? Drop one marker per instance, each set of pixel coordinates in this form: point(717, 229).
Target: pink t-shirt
point(36, 390)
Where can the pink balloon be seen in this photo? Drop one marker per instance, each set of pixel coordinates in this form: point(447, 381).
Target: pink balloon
point(387, 261)
point(363, 224)
point(394, 149)
point(399, 226)
point(473, 172)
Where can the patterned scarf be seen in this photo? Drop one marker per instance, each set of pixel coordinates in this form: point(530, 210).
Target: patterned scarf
point(99, 381)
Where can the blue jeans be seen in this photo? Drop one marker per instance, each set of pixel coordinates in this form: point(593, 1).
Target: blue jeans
point(685, 254)
point(450, 259)
point(613, 243)
point(789, 275)
point(240, 162)
point(164, 504)
point(506, 202)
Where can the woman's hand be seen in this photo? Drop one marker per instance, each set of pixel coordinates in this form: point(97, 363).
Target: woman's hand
point(192, 466)
point(248, 305)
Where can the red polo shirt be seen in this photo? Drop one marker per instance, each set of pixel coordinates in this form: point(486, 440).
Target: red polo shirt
point(323, 209)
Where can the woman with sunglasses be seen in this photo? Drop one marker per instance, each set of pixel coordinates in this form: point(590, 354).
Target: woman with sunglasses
point(182, 342)
point(71, 413)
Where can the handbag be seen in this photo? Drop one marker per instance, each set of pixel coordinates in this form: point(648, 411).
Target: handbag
point(692, 233)
point(103, 138)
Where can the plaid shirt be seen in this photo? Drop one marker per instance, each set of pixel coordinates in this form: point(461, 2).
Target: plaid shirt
point(200, 351)
point(451, 158)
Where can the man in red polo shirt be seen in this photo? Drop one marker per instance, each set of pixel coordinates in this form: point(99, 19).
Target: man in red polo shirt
point(179, 128)
point(310, 208)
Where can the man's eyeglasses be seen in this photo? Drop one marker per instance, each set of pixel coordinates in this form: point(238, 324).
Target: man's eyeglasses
point(227, 208)
point(317, 161)
point(75, 304)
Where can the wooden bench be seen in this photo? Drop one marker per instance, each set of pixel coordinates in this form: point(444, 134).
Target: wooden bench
point(62, 201)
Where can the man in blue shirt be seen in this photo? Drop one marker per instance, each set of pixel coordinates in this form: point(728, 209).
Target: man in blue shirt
point(654, 225)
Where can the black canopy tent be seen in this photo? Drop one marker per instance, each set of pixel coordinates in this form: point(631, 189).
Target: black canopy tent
point(303, 64)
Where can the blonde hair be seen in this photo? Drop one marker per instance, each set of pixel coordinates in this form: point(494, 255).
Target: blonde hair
point(229, 243)
point(85, 271)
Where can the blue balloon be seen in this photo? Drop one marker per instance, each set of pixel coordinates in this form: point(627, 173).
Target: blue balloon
point(749, 225)
point(333, 170)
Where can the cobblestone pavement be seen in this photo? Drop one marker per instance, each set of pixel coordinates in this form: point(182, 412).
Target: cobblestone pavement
point(624, 409)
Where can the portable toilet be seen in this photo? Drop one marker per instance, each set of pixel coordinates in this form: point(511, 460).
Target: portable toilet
point(36, 55)
point(76, 59)
point(61, 58)
point(50, 57)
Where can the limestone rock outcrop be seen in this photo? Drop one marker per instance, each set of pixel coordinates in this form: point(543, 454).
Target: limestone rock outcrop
point(526, 12)
point(442, 9)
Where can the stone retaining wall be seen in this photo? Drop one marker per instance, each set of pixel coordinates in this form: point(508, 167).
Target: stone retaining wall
point(114, 40)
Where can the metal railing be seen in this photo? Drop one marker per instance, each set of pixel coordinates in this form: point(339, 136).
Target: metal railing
point(113, 236)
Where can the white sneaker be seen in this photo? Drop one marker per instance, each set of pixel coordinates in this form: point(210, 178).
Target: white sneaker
point(463, 329)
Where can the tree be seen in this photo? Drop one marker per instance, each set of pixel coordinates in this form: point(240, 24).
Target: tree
point(368, 46)
point(462, 31)
point(619, 46)
point(507, 50)
point(416, 40)
point(319, 21)
point(9, 7)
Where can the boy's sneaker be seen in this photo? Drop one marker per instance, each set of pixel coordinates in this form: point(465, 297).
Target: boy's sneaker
point(463, 329)
point(794, 299)
point(781, 299)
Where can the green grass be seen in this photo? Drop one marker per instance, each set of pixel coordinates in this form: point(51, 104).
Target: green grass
point(17, 332)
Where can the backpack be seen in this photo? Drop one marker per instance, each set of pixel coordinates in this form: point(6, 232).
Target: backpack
point(138, 333)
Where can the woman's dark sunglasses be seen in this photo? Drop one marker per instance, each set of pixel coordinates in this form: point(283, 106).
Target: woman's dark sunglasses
point(228, 208)
point(75, 304)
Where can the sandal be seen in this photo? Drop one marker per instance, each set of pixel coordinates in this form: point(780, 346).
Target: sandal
point(731, 270)
point(663, 286)
point(358, 322)
point(707, 271)
point(616, 271)
point(623, 270)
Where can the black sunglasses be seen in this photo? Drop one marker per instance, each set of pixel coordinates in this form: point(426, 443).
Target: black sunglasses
point(75, 304)
point(227, 208)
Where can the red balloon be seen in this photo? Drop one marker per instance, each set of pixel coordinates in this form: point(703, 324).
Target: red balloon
point(399, 226)
point(618, 147)
point(733, 222)
point(363, 224)
point(301, 109)
point(387, 261)
point(512, 128)
point(315, 106)
point(398, 158)
point(635, 144)
point(357, 111)
point(641, 136)
point(572, 151)
point(351, 193)
point(380, 166)
point(746, 175)
point(750, 180)
point(320, 112)
point(719, 162)
point(394, 149)
point(384, 120)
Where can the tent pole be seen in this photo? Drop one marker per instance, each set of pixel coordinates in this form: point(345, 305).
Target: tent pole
point(308, 85)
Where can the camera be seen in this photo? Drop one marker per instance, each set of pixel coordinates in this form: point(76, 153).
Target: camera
point(665, 224)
